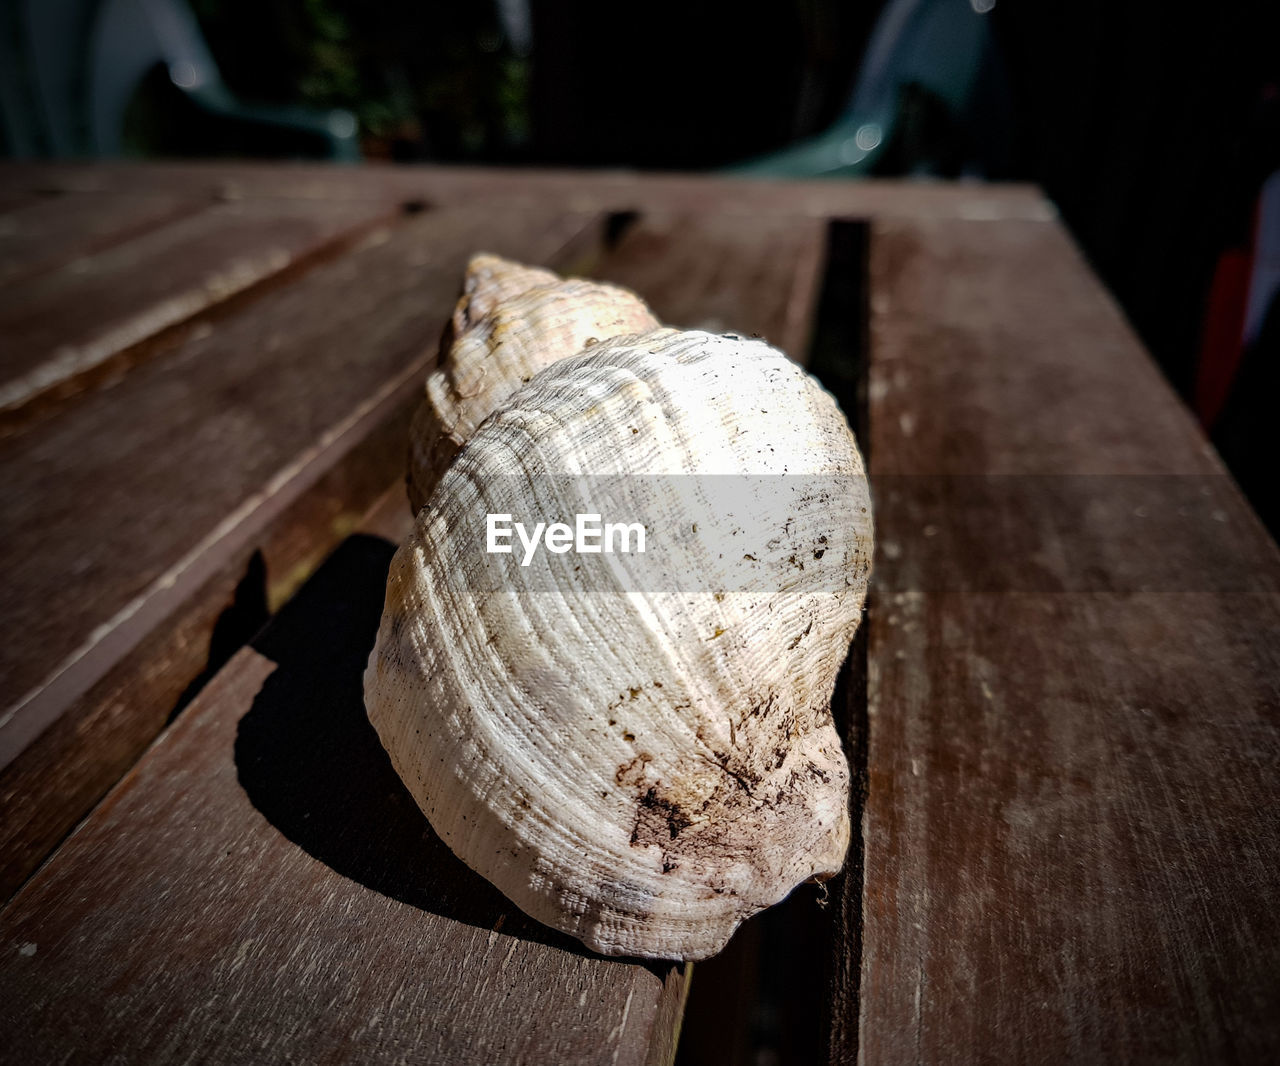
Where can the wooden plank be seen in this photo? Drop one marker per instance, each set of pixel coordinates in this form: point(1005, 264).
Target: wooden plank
point(22, 181)
point(561, 1003)
point(69, 321)
point(537, 189)
point(128, 521)
point(16, 199)
point(1073, 746)
point(261, 887)
point(50, 230)
point(715, 194)
point(756, 276)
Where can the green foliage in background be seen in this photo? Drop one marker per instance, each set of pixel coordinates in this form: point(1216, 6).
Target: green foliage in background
point(425, 80)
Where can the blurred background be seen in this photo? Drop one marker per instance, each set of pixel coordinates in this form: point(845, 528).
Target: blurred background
point(1154, 128)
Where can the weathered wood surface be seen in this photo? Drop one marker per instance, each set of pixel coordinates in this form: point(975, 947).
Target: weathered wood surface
point(1069, 734)
point(130, 517)
point(757, 276)
point(59, 324)
point(1072, 727)
point(539, 189)
point(97, 665)
point(261, 888)
point(747, 272)
point(48, 230)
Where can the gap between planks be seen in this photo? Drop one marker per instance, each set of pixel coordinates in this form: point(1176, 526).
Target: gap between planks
point(232, 902)
point(70, 328)
point(47, 231)
point(92, 683)
point(191, 464)
point(1070, 826)
point(775, 318)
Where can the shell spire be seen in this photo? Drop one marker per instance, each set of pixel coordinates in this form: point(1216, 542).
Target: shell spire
point(510, 322)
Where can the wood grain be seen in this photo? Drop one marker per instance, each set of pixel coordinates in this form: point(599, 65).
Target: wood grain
point(131, 517)
point(1071, 719)
point(756, 276)
point(1074, 658)
point(62, 323)
point(47, 231)
point(261, 887)
point(535, 189)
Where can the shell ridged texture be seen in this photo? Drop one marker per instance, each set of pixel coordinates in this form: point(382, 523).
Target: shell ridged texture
point(510, 322)
point(637, 749)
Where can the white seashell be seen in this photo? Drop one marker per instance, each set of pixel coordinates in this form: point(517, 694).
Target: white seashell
point(637, 749)
point(509, 323)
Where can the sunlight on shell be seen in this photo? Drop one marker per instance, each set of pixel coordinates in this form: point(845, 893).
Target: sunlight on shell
point(637, 749)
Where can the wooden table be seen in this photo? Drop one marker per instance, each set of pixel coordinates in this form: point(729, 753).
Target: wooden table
point(1063, 710)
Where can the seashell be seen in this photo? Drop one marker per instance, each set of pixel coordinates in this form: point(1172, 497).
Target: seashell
point(636, 748)
point(510, 322)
